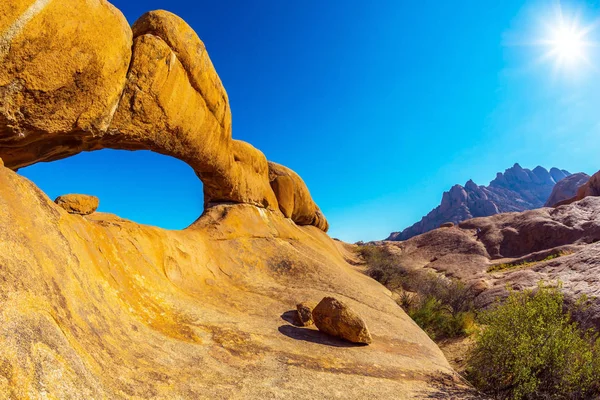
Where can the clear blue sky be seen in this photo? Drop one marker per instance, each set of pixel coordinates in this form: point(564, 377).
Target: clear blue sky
point(380, 106)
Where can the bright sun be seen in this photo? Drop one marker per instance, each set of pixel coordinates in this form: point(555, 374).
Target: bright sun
point(568, 44)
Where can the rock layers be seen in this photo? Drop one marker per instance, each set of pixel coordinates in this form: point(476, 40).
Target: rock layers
point(517, 189)
point(76, 78)
point(99, 307)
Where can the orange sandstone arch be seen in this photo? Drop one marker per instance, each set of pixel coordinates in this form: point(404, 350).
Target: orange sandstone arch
point(88, 81)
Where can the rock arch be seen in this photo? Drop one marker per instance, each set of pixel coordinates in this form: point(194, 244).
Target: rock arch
point(88, 81)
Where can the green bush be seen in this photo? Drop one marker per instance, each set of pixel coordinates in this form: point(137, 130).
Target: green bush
point(439, 320)
point(442, 307)
point(529, 348)
point(381, 266)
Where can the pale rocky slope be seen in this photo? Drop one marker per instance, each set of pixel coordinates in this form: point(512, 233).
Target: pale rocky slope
point(517, 189)
point(99, 307)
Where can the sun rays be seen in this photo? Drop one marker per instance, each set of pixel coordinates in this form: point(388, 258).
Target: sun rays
point(567, 42)
point(561, 38)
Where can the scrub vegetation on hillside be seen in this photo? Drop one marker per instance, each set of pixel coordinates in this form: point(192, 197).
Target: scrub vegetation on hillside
point(440, 306)
point(526, 346)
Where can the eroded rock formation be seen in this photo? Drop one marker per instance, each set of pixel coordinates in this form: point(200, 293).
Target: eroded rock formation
point(566, 189)
point(76, 78)
point(337, 319)
point(589, 188)
point(99, 307)
point(517, 189)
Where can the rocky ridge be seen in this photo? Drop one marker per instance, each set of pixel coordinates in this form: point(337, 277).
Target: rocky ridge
point(546, 244)
point(517, 189)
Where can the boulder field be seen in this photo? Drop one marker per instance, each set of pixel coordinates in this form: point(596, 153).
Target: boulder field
point(98, 307)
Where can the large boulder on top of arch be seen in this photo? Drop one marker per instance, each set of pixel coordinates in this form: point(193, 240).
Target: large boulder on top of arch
point(64, 65)
point(76, 78)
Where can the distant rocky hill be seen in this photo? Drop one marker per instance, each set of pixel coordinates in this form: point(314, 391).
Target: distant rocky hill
point(517, 189)
point(566, 189)
point(517, 250)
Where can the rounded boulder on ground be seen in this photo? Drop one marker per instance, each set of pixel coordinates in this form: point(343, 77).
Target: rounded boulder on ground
point(337, 319)
point(81, 204)
point(305, 309)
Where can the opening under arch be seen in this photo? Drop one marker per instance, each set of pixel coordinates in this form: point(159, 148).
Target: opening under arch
point(142, 186)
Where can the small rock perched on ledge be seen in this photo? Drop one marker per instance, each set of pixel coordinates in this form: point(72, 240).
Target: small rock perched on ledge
point(81, 204)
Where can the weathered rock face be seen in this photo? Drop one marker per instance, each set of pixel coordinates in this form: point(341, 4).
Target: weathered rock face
point(64, 65)
point(517, 189)
point(337, 319)
point(566, 189)
point(78, 203)
point(296, 202)
point(100, 307)
point(557, 243)
point(76, 78)
point(590, 188)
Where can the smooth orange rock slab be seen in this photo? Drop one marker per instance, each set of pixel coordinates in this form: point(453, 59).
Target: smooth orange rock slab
point(283, 187)
point(100, 307)
point(295, 198)
point(191, 52)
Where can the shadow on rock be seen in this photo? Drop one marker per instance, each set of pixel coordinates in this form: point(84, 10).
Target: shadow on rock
point(314, 336)
point(291, 317)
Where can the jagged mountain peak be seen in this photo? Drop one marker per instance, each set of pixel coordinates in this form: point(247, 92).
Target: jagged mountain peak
point(515, 189)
